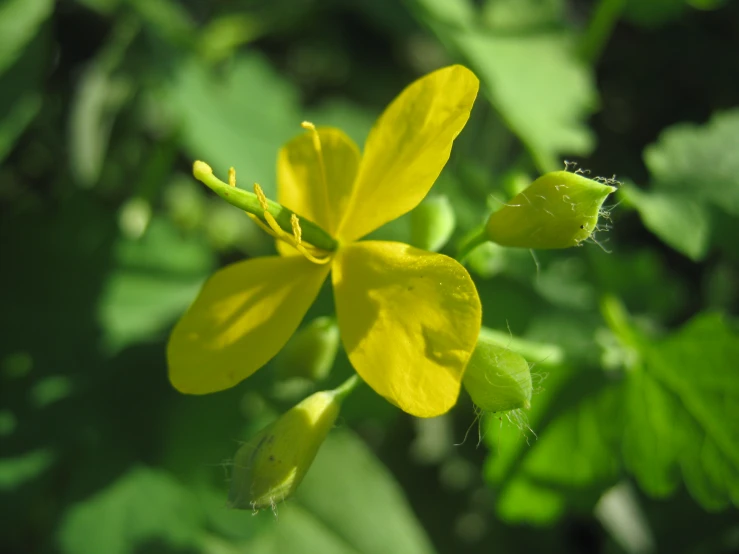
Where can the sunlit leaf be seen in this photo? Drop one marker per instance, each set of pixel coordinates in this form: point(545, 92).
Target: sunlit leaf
point(558, 455)
point(681, 220)
point(540, 89)
point(334, 495)
point(683, 413)
point(699, 161)
point(534, 80)
point(692, 167)
point(239, 118)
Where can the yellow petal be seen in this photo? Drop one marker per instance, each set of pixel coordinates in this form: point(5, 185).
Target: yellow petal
point(407, 149)
point(314, 184)
point(243, 316)
point(409, 322)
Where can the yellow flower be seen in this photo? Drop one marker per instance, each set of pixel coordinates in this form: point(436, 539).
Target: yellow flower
point(409, 319)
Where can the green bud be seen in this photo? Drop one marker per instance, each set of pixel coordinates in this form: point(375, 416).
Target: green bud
point(432, 223)
point(496, 378)
point(558, 210)
point(311, 352)
point(269, 468)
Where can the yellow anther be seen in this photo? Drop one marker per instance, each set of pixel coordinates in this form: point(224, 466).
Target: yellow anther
point(273, 228)
point(262, 226)
point(232, 176)
point(308, 126)
point(272, 222)
point(297, 231)
point(316, 137)
point(261, 197)
point(310, 257)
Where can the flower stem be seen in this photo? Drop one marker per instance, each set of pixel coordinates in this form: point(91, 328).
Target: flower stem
point(470, 242)
point(347, 387)
point(249, 202)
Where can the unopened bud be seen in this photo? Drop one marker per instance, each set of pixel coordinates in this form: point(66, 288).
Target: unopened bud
point(432, 223)
point(269, 468)
point(558, 210)
point(497, 379)
point(311, 352)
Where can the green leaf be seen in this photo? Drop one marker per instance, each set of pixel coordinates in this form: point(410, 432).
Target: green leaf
point(336, 497)
point(360, 510)
point(20, 97)
point(699, 161)
point(144, 506)
point(240, 118)
point(693, 168)
point(569, 460)
point(533, 79)
point(19, 23)
point(523, 14)
point(539, 87)
point(680, 220)
point(153, 281)
point(683, 413)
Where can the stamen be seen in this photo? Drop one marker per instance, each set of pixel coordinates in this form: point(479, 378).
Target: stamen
point(310, 257)
point(297, 231)
point(307, 125)
point(273, 228)
point(262, 226)
point(272, 222)
point(261, 196)
point(232, 176)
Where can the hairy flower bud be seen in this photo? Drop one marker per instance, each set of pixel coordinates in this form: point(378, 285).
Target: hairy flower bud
point(497, 379)
point(311, 352)
point(269, 467)
point(558, 210)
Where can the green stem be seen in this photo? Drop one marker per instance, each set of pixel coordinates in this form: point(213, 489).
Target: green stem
point(600, 28)
point(470, 242)
point(249, 202)
point(347, 387)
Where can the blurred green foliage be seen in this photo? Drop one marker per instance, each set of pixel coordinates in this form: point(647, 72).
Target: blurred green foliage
point(631, 443)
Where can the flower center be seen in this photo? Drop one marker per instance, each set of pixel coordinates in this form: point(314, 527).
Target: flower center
point(311, 253)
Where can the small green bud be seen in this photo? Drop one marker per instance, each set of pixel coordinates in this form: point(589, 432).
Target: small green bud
point(432, 223)
point(558, 210)
point(269, 468)
point(311, 352)
point(497, 379)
